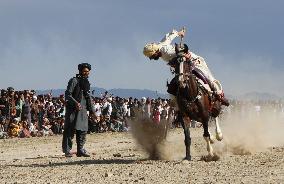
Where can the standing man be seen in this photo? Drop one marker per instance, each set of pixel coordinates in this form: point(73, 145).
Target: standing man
point(78, 102)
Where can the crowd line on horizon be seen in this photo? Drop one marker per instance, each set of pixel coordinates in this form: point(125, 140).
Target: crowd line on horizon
point(26, 114)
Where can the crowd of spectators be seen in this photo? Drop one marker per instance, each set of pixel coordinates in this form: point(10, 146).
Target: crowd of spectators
point(111, 113)
point(26, 114)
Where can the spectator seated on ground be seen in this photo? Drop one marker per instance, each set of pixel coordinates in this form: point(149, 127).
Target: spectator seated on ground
point(3, 134)
point(46, 128)
point(116, 124)
point(33, 130)
point(56, 126)
point(92, 124)
point(24, 132)
point(103, 125)
point(14, 129)
point(124, 125)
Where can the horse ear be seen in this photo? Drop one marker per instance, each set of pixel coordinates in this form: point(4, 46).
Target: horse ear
point(185, 48)
point(176, 48)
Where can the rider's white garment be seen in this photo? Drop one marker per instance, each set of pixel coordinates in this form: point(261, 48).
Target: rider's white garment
point(168, 53)
point(166, 47)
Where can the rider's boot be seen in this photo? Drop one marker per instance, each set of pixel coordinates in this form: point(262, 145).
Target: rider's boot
point(223, 99)
point(219, 97)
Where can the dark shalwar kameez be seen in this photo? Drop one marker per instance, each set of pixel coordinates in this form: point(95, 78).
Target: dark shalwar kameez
point(75, 121)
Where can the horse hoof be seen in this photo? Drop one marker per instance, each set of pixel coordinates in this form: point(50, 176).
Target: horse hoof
point(210, 158)
point(219, 136)
point(215, 157)
point(188, 158)
point(153, 158)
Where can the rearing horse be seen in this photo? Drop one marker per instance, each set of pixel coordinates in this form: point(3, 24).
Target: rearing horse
point(194, 102)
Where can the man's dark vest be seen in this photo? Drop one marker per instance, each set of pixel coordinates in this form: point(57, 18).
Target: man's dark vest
point(77, 95)
point(77, 92)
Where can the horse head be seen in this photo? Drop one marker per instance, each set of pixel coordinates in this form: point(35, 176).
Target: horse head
point(187, 81)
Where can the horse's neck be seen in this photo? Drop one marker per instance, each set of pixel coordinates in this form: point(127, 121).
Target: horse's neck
point(192, 85)
point(185, 69)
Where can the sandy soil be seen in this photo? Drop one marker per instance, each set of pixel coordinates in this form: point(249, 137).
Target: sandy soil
point(117, 159)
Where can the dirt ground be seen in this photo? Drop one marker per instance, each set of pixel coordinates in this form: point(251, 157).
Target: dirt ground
point(117, 159)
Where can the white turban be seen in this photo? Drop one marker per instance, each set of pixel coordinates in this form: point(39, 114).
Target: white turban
point(150, 49)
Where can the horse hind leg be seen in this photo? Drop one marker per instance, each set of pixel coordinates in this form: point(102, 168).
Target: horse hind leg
point(211, 156)
point(208, 140)
point(209, 146)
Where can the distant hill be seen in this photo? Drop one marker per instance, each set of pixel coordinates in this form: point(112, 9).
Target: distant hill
point(257, 96)
point(139, 93)
point(125, 93)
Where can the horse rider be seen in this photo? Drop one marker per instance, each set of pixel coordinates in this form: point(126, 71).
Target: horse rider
point(165, 50)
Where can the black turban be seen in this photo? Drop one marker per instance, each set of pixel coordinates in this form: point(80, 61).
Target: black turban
point(84, 65)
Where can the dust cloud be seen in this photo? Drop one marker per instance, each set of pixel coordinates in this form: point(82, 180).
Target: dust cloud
point(150, 136)
point(251, 129)
point(245, 130)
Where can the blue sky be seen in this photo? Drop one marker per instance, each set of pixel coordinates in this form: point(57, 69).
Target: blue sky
point(41, 42)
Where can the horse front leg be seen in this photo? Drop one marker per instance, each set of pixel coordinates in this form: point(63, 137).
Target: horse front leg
point(207, 138)
point(187, 139)
point(219, 135)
